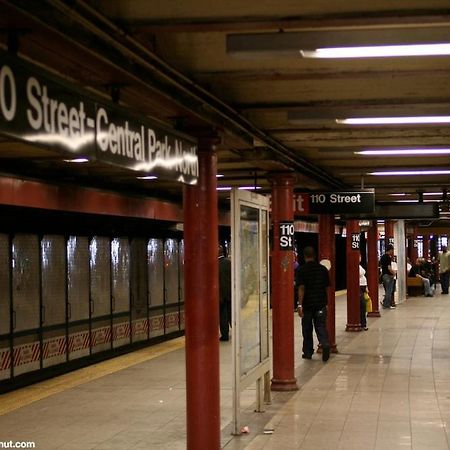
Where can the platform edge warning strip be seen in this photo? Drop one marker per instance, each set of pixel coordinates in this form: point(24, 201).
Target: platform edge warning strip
point(17, 399)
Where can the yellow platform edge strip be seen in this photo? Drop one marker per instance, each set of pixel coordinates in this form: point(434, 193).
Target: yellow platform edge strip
point(17, 399)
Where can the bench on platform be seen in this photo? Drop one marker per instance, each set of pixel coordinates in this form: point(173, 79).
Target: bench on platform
point(414, 286)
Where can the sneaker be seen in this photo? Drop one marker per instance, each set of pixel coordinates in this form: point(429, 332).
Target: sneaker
point(392, 307)
point(306, 356)
point(325, 354)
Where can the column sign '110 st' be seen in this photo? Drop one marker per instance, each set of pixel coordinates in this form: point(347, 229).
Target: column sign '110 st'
point(335, 202)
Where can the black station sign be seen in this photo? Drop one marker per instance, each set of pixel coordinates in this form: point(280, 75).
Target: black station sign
point(348, 202)
point(286, 234)
point(38, 108)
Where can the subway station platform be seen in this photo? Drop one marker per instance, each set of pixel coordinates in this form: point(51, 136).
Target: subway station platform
point(387, 388)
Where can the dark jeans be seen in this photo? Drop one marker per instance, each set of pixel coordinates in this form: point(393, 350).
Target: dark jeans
point(444, 282)
point(225, 319)
point(388, 284)
point(362, 306)
point(314, 317)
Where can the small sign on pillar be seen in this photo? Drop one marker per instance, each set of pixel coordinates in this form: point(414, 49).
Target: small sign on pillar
point(286, 233)
point(391, 241)
point(356, 238)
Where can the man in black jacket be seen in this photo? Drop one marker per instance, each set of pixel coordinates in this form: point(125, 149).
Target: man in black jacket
point(313, 282)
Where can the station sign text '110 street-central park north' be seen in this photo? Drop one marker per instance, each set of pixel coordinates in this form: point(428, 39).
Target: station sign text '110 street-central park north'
point(39, 108)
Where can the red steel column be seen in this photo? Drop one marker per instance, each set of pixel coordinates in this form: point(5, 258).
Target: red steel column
point(353, 251)
point(414, 247)
point(372, 267)
point(282, 282)
point(202, 304)
point(426, 246)
point(327, 250)
point(388, 232)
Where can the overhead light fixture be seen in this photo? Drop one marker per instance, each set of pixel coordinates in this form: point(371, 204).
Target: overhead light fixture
point(377, 42)
point(405, 152)
point(416, 201)
point(431, 193)
point(378, 51)
point(400, 194)
point(76, 160)
point(147, 177)
point(220, 175)
point(241, 188)
point(393, 120)
point(393, 114)
point(410, 172)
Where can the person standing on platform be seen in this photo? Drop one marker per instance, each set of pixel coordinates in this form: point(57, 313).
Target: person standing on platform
point(313, 282)
point(224, 294)
point(387, 276)
point(362, 300)
point(444, 269)
point(394, 269)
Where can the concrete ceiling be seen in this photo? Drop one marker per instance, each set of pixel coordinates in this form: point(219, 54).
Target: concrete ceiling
point(170, 60)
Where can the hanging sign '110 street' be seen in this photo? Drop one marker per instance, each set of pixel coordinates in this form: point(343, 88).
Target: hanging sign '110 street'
point(348, 202)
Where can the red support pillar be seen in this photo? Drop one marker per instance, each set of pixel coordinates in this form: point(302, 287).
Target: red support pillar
point(202, 304)
point(414, 247)
point(327, 250)
point(388, 232)
point(282, 287)
point(353, 252)
point(426, 246)
point(372, 267)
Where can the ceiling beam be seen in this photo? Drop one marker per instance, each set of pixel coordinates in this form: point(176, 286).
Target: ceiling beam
point(440, 102)
point(275, 75)
point(367, 19)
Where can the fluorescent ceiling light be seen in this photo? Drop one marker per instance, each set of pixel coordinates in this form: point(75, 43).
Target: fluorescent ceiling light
point(411, 172)
point(399, 194)
point(393, 120)
point(416, 201)
point(249, 188)
point(76, 160)
point(378, 51)
point(431, 193)
point(228, 188)
point(406, 152)
point(219, 175)
point(362, 42)
point(147, 177)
